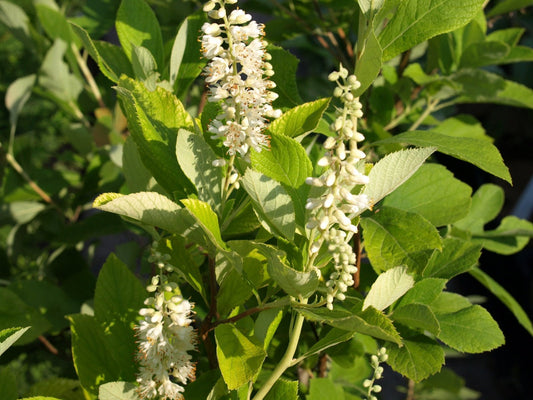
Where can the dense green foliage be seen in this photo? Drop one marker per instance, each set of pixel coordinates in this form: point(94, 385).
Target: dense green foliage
point(120, 124)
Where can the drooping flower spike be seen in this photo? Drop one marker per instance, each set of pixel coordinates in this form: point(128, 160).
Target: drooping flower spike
point(237, 74)
point(332, 213)
point(164, 338)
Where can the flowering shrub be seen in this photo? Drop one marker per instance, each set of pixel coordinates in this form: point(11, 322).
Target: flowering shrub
point(295, 247)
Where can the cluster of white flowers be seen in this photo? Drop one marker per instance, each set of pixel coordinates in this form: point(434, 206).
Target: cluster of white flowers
point(164, 339)
point(337, 205)
point(238, 74)
point(375, 360)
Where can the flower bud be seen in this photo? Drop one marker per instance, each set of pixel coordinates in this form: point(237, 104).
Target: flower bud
point(333, 76)
point(209, 6)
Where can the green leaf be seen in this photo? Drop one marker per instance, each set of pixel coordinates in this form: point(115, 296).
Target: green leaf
point(239, 359)
point(16, 312)
point(419, 357)
point(511, 236)
point(93, 357)
point(416, 315)
point(388, 287)
point(154, 120)
point(104, 346)
point(8, 384)
point(332, 338)
point(283, 390)
point(484, 53)
point(61, 388)
point(196, 160)
point(9, 336)
point(18, 93)
point(138, 178)
point(266, 324)
point(369, 322)
point(301, 119)
point(207, 219)
point(470, 330)
point(457, 256)
point(480, 86)
point(69, 86)
point(50, 300)
point(294, 283)
point(89, 45)
point(447, 303)
point(137, 25)
point(55, 24)
point(118, 296)
point(434, 193)
point(144, 66)
point(285, 65)
point(497, 290)
point(393, 170)
point(369, 64)
point(147, 207)
point(506, 6)
point(395, 237)
point(271, 202)
point(462, 125)
point(370, 7)
point(479, 152)
point(185, 65)
point(424, 292)
point(118, 391)
point(24, 211)
point(510, 36)
point(114, 59)
point(416, 21)
point(324, 388)
point(487, 203)
point(286, 161)
point(16, 20)
point(233, 292)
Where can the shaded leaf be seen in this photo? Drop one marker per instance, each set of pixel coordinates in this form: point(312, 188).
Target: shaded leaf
point(479, 152)
point(286, 161)
point(301, 119)
point(9, 336)
point(416, 21)
point(118, 391)
point(239, 359)
point(434, 193)
point(470, 330)
point(393, 170)
point(419, 357)
point(137, 25)
point(416, 315)
point(388, 287)
point(196, 160)
point(457, 256)
point(271, 203)
point(395, 237)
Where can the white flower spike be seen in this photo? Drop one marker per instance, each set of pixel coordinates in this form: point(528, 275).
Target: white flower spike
point(332, 213)
point(238, 77)
point(164, 338)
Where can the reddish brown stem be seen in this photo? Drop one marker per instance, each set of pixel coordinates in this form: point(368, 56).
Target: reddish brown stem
point(48, 345)
point(207, 324)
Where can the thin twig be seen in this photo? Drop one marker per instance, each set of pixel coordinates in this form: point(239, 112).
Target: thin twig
point(48, 345)
point(88, 76)
point(410, 390)
point(206, 326)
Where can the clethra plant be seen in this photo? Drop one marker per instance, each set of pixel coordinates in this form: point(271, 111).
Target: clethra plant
point(296, 247)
